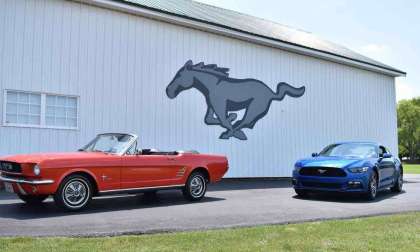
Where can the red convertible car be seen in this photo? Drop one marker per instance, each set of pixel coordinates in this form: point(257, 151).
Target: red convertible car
point(109, 164)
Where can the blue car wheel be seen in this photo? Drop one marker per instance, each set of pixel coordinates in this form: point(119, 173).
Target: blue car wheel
point(372, 187)
point(398, 183)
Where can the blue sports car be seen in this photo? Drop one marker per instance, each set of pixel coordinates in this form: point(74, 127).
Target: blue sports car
point(354, 167)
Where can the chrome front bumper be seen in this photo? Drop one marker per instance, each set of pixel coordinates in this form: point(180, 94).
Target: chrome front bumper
point(24, 181)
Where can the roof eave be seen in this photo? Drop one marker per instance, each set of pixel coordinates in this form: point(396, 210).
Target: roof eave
point(144, 11)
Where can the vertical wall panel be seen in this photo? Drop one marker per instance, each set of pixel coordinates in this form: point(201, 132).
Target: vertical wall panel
point(120, 66)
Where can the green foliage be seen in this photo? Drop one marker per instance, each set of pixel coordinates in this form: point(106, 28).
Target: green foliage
point(409, 128)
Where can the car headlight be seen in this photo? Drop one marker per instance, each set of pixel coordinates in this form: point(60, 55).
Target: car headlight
point(37, 170)
point(297, 168)
point(359, 169)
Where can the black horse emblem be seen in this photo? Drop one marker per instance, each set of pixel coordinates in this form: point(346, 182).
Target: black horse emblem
point(224, 95)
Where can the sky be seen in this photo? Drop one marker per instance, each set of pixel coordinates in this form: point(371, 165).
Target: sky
point(387, 31)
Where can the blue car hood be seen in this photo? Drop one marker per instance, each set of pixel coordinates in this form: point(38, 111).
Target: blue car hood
point(336, 162)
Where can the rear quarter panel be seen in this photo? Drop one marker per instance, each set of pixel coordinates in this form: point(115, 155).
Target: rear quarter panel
point(216, 165)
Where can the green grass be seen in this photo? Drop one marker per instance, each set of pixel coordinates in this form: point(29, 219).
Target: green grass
point(385, 233)
point(411, 168)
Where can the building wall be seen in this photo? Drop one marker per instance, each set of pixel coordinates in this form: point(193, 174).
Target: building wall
point(120, 65)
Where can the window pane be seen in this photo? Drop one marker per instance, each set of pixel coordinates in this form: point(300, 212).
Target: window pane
point(60, 112)
point(72, 123)
point(23, 98)
point(61, 101)
point(35, 109)
point(50, 100)
point(11, 96)
point(23, 119)
point(71, 112)
point(72, 102)
point(11, 118)
point(23, 109)
point(11, 108)
point(35, 120)
point(35, 99)
point(60, 121)
point(50, 111)
point(50, 121)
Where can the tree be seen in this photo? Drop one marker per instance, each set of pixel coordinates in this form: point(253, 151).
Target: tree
point(409, 128)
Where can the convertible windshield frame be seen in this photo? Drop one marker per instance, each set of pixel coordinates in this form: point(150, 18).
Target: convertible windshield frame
point(127, 146)
point(332, 146)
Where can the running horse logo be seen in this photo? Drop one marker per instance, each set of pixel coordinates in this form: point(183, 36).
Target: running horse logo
point(224, 95)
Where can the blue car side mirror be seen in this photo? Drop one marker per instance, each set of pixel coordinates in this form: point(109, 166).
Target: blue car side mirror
point(386, 155)
point(314, 154)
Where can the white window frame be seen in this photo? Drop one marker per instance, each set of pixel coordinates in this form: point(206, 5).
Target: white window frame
point(42, 124)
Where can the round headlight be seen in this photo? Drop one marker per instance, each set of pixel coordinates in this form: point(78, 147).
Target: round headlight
point(37, 170)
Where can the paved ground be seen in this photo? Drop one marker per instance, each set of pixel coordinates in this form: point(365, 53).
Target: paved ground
point(228, 204)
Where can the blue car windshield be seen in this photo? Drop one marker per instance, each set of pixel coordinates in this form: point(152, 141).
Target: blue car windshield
point(352, 150)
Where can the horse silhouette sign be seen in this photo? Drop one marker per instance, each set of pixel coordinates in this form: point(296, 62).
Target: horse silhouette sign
point(224, 95)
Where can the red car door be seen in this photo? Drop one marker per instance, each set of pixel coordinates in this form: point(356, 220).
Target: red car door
point(150, 171)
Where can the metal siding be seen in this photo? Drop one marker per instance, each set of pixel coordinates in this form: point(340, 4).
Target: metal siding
point(120, 65)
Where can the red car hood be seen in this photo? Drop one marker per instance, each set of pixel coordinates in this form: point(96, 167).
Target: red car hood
point(41, 157)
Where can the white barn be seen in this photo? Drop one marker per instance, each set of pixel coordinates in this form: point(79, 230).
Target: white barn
point(73, 69)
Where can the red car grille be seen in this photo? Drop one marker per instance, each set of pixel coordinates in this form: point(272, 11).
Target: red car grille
point(10, 167)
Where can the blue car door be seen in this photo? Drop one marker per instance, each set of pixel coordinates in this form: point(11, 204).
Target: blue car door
point(386, 167)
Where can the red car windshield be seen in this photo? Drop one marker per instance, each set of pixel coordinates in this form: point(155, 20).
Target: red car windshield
point(109, 143)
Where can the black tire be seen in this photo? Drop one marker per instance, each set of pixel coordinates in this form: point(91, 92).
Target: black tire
point(302, 193)
point(33, 199)
point(74, 193)
point(372, 187)
point(196, 187)
point(398, 185)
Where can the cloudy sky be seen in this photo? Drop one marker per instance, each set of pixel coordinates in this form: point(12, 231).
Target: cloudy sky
point(388, 31)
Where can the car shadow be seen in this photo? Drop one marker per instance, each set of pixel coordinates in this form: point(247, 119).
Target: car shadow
point(22, 211)
point(348, 198)
point(230, 184)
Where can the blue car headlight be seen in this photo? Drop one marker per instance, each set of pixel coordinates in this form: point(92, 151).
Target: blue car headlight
point(359, 169)
point(297, 168)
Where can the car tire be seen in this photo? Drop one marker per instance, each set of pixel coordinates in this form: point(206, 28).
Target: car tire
point(302, 193)
point(196, 187)
point(372, 187)
point(32, 199)
point(398, 185)
point(74, 193)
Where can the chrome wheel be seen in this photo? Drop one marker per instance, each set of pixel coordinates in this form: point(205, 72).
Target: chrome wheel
point(76, 193)
point(197, 186)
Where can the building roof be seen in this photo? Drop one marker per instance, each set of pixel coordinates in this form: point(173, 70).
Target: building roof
point(255, 26)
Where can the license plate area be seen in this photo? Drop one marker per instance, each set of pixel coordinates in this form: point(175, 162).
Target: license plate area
point(9, 187)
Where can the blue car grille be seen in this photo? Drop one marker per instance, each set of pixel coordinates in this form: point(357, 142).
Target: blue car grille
point(321, 185)
point(10, 167)
point(322, 172)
